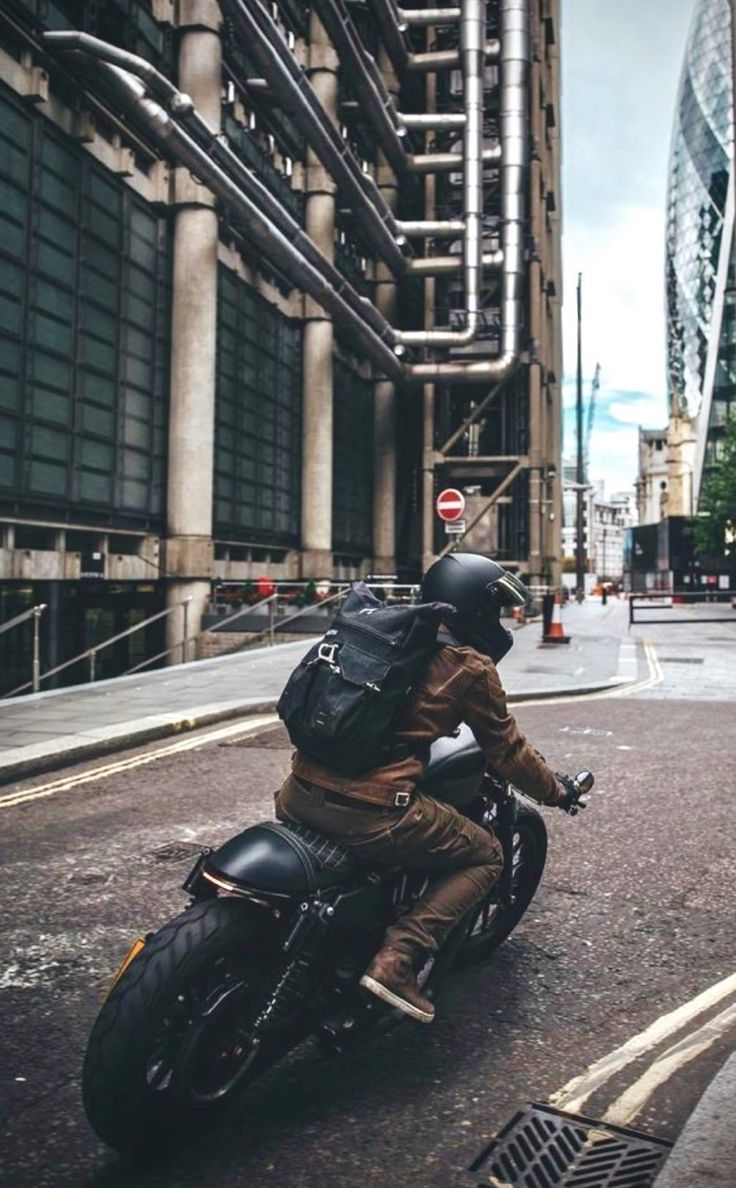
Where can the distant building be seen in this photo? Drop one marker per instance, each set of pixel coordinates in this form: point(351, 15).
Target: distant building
point(700, 277)
point(610, 519)
point(664, 485)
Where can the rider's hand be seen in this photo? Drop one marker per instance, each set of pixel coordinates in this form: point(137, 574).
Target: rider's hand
point(569, 798)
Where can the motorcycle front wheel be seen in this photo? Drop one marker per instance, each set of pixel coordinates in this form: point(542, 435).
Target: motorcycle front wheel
point(493, 921)
point(171, 1042)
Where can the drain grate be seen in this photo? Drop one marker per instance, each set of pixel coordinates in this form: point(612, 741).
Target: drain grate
point(545, 1148)
point(682, 659)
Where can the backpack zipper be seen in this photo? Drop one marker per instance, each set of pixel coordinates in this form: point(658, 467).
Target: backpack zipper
point(392, 643)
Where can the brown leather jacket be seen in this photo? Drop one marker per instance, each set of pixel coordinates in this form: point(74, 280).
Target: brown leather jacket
point(458, 685)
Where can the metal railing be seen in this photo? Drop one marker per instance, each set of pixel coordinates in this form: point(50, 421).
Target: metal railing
point(90, 654)
point(668, 600)
point(34, 613)
point(273, 627)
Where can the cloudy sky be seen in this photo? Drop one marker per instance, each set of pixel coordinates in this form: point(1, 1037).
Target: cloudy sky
point(621, 68)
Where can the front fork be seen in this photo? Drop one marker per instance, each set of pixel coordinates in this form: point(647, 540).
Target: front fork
point(499, 793)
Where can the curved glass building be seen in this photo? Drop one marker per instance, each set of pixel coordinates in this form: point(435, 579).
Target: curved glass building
point(701, 313)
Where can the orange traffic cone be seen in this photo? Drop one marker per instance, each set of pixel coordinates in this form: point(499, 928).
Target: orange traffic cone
point(555, 634)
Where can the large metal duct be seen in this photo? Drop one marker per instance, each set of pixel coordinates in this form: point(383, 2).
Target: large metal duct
point(366, 79)
point(181, 108)
point(289, 84)
point(130, 93)
point(472, 43)
point(514, 136)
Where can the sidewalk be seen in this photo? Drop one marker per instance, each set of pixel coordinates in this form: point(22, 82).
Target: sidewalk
point(48, 730)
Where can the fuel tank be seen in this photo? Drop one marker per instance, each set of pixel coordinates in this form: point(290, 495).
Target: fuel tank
point(455, 768)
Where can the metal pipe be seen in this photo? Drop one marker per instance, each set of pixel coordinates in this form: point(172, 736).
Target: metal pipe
point(472, 45)
point(309, 277)
point(514, 138)
point(424, 228)
point(428, 121)
point(218, 149)
point(448, 162)
point(391, 28)
point(365, 78)
point(429, 16)
point(273, 57)
point(436, 60)
point(442, 265)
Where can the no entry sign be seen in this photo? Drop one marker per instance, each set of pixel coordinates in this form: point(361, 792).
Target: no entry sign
point(450, 504)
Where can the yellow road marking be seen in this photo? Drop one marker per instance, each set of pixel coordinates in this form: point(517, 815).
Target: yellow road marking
point(10, 799)
point(633, 1100)
point(576, 1092)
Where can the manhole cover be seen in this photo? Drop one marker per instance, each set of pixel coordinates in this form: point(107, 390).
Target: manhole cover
point(177, 850)
point(545, 1148)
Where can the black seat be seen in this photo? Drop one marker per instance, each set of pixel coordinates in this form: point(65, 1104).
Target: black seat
point(282, 858)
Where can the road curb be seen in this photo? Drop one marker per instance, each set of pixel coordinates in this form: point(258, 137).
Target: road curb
point(705, 1152)
point(132, 734)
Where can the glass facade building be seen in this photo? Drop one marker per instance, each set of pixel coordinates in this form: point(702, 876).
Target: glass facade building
point(701, 313)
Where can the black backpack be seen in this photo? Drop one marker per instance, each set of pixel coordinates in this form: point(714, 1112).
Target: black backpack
point(340, 703)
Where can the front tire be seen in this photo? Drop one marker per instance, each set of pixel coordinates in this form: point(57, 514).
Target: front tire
point(170, 1043)
point(492, 922)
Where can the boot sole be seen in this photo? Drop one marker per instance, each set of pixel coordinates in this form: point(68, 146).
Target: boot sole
point(395, 1001)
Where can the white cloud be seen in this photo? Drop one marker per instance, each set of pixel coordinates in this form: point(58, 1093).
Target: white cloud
point(614, 457)
point(623, 298)
point(643, 411)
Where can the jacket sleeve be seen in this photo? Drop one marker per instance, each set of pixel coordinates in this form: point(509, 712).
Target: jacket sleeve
point(503, 744)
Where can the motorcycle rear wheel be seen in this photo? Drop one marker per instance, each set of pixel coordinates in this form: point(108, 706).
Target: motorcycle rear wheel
point(171, 1042)
point(492, 921)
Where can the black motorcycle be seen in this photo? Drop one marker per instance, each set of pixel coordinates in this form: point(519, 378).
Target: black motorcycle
point(282, 923)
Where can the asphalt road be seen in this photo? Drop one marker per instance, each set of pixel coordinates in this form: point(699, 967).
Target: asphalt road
point(635, 916)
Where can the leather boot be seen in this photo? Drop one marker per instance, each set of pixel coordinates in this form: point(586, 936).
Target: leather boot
point(391, 976)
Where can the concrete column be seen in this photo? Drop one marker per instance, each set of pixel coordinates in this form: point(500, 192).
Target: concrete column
point(318, 340)
point(384, 436)
point(188, 555)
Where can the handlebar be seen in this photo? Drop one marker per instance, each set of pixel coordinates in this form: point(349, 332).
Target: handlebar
point(577, 788)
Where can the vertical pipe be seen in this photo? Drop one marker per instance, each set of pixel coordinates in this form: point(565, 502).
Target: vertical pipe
point(472, 30)
point(318, 338)
point(384, 422)
point(193, 343)
point(429, 390)
point(580, 470)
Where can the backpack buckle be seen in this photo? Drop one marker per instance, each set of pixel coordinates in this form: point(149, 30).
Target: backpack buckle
point(326, 652)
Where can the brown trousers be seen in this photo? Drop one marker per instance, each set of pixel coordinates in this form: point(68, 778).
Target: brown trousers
point(464, 859)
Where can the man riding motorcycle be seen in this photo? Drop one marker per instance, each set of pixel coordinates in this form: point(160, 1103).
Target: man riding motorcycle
point(382, 818)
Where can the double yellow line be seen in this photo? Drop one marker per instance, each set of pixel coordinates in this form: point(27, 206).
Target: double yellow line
point(201, 739)
point(11, 799)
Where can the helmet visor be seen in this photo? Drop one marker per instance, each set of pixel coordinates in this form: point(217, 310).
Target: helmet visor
point(509, 590)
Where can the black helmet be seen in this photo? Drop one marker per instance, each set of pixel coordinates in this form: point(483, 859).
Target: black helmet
point(478, 588)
